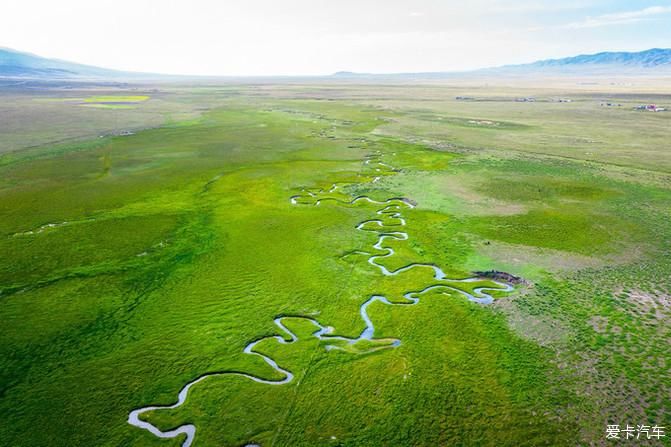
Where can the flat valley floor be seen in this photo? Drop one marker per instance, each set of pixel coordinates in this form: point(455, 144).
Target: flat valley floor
point(316, 264)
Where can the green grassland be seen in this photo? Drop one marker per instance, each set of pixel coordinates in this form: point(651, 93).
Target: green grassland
point(133, 264)
point(38, 119)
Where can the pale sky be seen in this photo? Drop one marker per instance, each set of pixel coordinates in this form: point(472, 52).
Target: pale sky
point(308, 37)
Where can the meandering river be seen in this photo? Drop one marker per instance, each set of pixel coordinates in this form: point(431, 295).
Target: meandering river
point(388, 227)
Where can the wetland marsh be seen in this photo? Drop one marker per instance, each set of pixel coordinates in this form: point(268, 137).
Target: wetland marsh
point(332, 232)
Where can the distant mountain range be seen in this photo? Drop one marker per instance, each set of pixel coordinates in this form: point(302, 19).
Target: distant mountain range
point(19, 66)
point(649, 62)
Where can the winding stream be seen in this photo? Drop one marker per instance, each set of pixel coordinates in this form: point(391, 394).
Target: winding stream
point(387, 227)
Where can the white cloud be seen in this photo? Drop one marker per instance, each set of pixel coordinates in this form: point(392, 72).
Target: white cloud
point(529, 6)
point(620, 18)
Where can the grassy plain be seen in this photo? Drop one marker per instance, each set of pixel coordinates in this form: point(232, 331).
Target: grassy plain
point(133, 264)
